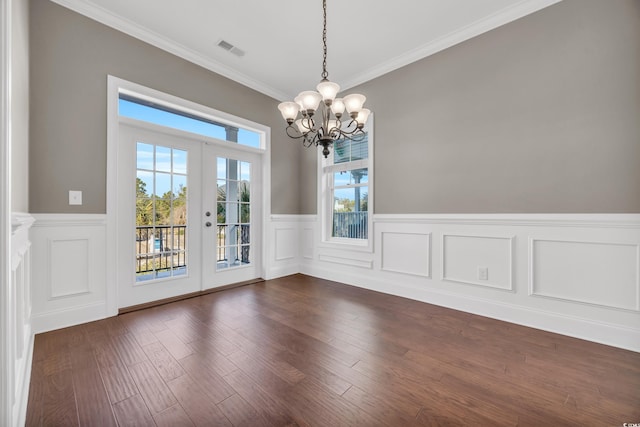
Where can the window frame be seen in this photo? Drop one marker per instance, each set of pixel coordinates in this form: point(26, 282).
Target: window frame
point(326, 170)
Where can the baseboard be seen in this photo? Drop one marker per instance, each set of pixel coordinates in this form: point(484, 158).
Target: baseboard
point(281, 271)
point(52, 320)
point(586, 329)
point(25, 376)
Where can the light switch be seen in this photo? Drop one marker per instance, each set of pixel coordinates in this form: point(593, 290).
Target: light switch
point(75, 197)
point(483, 273)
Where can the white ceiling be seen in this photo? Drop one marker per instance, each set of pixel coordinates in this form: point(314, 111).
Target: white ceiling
point(283, 38)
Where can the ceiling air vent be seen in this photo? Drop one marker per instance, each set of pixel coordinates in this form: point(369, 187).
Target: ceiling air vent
point(230, 48)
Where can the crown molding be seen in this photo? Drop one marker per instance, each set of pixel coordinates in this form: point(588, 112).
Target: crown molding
point(128, 27)
point(99, 14)
point(517, 11)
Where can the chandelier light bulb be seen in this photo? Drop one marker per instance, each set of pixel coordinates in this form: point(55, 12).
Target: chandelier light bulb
point(363, 115)
point(310, 100)
point(337, 107)
point(289, 110)
point(328, 90)
point(354, 102)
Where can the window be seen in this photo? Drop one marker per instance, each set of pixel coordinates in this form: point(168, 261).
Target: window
point(161, 212)
point(346, 175)
point(135, 108)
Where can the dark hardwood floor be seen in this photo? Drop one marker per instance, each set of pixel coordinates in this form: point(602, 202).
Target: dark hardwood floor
point(304, 351)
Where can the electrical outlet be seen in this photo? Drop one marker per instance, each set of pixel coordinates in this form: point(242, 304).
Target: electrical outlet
point(75, 197)
point(483, 273)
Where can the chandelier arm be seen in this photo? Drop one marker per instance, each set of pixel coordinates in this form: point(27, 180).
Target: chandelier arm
point(352, 123)
point(356, 135)
point(296, 135)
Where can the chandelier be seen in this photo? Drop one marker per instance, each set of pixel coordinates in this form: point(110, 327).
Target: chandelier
point(320, 121)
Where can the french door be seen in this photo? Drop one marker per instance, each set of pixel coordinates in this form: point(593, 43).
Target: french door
point(189, 214)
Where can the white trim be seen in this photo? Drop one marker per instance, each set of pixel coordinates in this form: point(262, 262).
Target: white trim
point(6, 348)
point(481, 26)
point(69, 220)
point(346, 261)
point(25, 380)
point(296, 218)
point(126, 26)
point(542, 220)
point(66, 317)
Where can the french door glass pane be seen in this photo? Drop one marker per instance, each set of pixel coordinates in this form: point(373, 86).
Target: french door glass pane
point(234, 217)
point(161, 212)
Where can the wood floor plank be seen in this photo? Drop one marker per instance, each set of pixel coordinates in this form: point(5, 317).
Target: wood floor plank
point(216, 386)
point(92, 400)
point(58, 403)
point(129, 350)
point(117, 380)
point(133, 412)
point(268, 405)
point(309, 367)
point(310, 352)
point(197, 402)
point(381, 409)
point(173, 344)
point(156, 394)
point(174, 416)
point(240, 413)
point(315, 402)
point(210, 358)
point(165, 364)
point(36, 395)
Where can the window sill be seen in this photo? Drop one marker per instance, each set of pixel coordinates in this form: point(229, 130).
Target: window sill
point(348, 244)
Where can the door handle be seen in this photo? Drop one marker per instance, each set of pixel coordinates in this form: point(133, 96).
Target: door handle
point(207, 213)
point(208, 224)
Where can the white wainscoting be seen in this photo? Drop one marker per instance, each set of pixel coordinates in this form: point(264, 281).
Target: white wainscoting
point(573, 274)
point(69, 278)
point(285, 246)
point(18, 308)
point(599, 273)
point(464, 255)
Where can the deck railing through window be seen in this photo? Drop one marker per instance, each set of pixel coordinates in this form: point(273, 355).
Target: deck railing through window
point(352, 225)
point(160, 247)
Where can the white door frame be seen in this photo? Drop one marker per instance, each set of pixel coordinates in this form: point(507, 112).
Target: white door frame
point(115, 86)
point(7, 389)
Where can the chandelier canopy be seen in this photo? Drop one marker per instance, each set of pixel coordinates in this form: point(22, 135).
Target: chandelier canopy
point(316, 117)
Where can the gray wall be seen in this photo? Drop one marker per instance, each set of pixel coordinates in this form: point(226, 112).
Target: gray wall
point(20, 106)
point(539, 116)
point(71, 57)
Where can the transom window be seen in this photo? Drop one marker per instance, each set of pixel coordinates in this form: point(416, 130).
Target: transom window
point(139, 109)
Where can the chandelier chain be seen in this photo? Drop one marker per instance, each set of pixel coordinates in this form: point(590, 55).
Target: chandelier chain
point(325, 74)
